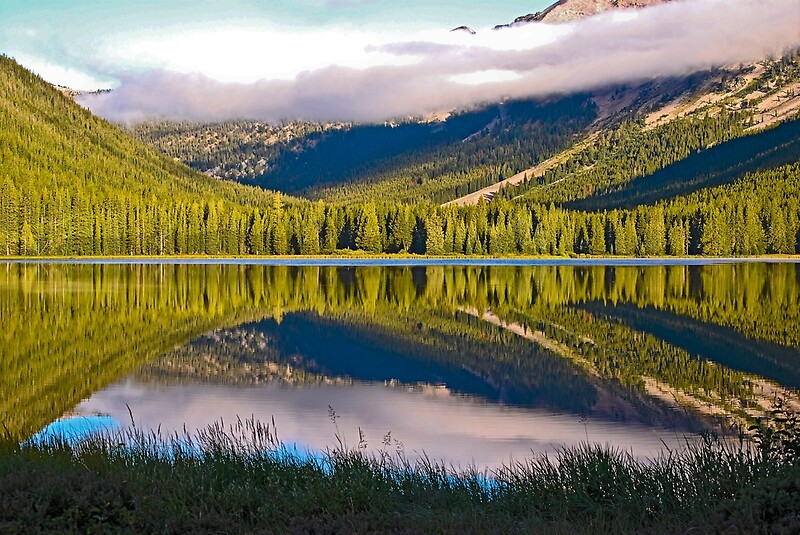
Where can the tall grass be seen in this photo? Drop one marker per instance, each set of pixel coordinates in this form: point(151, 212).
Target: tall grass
point(240, 478)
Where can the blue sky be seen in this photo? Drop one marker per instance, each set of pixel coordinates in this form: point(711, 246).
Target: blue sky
point(81, 43)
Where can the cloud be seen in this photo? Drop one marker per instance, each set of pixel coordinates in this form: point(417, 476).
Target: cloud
point(73, 78)
point(455, 427)
point(430, 74)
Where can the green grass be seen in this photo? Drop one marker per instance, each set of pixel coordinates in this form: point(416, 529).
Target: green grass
point(239, 480)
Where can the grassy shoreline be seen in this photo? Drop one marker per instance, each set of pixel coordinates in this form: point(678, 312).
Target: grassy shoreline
point(238, 480)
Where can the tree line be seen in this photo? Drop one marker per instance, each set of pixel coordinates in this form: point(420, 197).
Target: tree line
point(756, 215)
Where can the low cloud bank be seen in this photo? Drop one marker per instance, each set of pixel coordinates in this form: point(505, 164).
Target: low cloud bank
point(532, 60)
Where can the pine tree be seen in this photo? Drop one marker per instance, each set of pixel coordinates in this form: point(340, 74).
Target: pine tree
point(211, 230)
point(598, 237)
point(777, 242)
point(311, 232)
point(368, 234)
point(677, 239)
point(523, 235)
point(330, 231)
point(255, 234)
point(654, 238)
point(434, 235)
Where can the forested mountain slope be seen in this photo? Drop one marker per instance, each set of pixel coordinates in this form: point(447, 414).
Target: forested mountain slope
point(415, 159)
point(74, 184)
point(443, 159)
point(622, 166)
point(234, 150)
point(717, 165)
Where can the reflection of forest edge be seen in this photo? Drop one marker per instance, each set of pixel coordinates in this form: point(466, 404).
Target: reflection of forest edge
point(723, 345)
point(70, 330)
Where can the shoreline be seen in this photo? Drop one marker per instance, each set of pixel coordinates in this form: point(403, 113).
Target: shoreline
point(404, 260)
point(221, 486)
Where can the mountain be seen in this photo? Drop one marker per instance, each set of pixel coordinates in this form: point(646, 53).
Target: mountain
point(435, 159)
point(447, 158)
point(569, 10)
point(233, 150)
point(700, 164)
point(74, 184)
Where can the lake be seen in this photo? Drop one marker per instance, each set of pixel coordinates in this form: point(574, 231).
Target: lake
point(470, 363)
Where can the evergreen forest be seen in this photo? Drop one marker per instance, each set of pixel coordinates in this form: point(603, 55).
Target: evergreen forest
point(704, 184)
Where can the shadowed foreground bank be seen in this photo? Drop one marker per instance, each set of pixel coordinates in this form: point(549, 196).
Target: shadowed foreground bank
point(241, 479)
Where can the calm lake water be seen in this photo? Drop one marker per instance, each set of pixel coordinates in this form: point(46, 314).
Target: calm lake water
point(472, 364)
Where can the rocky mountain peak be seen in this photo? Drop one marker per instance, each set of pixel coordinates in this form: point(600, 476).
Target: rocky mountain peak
point(569, 10)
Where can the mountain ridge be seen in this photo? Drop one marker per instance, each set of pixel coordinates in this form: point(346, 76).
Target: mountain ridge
point(564, 11)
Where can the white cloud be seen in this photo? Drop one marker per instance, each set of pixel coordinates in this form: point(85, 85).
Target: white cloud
point(485, 77)
point(245, 54)
point(366, 76)
point(60, 75)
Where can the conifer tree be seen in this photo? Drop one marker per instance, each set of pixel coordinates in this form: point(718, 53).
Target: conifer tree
point(434, 235)
point(368, 234)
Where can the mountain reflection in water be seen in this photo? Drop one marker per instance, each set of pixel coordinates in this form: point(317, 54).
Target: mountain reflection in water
point(469, 363)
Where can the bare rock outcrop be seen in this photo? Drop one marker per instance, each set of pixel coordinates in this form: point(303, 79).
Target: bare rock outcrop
point(569, 10)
